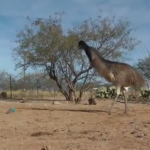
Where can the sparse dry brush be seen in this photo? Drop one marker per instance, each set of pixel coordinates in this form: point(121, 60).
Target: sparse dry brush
point(32, 94)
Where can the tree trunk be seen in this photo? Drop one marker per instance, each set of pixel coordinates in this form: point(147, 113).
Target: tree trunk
point(71, 95)
point(78, 99)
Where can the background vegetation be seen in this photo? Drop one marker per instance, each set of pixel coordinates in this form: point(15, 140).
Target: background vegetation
point(44, 45)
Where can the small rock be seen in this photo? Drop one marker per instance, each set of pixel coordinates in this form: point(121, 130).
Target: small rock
point(145, 125)
point(45, 148)
point(148, 122)
point(93, 138)
point(23, 100)
point(56, 103)
point(104, 139)
point(137, 128)
point(55, 130)
point(85, 104)
point(139, 136)
point(132, 132)
point(10, 111)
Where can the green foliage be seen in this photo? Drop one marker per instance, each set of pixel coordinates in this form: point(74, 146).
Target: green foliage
point(145, 93)
point(110, 92)
point(143, 66)
point(105, 92)
point(4, 80)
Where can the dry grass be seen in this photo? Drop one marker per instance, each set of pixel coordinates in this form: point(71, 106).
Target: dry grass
point(33, 94)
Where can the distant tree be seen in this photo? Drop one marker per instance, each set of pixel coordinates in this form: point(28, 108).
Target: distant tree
point(43, 44)
point(4, 80)
point(143, 66)
point(34, 80)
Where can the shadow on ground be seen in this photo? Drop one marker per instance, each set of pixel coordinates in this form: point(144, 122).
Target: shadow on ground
point(71, 110)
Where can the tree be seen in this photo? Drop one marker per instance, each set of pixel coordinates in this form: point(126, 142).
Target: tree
point(4, 80)
point(143, 66)
point(43, 44)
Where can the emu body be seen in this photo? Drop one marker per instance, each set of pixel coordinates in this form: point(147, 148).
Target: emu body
point(120, 75)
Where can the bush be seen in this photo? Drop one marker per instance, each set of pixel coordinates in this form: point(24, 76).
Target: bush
point(106, 92)
point(110, 92)
point(3, 94)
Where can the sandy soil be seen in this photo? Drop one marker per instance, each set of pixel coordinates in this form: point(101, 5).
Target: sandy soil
point(35, 125)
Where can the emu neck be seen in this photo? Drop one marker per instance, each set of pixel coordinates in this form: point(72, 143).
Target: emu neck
point(88, 53)
point(103, 69)
point(99, 63)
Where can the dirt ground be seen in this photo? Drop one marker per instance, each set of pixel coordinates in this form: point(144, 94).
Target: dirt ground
point(39, 125)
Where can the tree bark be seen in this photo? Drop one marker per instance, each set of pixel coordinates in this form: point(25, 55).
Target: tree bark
point(71, 95)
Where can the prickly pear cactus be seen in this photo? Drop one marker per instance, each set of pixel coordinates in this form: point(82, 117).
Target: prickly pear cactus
point(110, 92)
point(105, 92)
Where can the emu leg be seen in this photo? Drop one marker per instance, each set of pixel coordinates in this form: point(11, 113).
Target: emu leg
point(118, 92)
point(125, 100)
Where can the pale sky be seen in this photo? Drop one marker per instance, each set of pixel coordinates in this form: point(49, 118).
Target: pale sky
point(13, 17)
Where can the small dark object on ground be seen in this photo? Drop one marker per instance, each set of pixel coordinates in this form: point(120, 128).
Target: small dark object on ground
point(45, 148)
point(9, 111)
point(3, 94)
point(23, 100)
point(92, 101)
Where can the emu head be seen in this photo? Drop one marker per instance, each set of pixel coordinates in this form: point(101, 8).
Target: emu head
point(90, 52)
point(82, 44)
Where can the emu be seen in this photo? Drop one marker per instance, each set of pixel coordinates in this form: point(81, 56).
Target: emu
point(120, 75)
